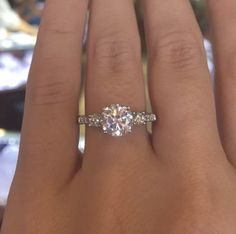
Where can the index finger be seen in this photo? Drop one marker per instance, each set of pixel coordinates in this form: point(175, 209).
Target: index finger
point(50, 132)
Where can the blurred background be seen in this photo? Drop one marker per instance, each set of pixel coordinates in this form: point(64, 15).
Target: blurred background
point(19, 20)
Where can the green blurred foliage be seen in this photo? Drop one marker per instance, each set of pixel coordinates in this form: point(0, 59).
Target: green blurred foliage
point(199, 7)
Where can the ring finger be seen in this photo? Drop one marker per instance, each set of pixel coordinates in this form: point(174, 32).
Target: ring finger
point(114, 67)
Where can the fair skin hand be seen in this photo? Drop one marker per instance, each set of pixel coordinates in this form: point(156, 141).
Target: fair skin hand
point(182, 179)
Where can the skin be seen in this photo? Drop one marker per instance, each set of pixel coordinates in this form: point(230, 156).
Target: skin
point(182, 179)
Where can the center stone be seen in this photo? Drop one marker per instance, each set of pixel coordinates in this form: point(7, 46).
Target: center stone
point(117, 120)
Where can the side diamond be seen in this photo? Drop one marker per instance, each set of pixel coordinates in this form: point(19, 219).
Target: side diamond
point(151, 117)
point(94, 120)
point(139, 118)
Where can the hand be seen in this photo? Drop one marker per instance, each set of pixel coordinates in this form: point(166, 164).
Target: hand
point(27, 28)
point(180, 180)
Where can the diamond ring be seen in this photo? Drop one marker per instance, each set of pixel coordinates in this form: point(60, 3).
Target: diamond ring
point(117, 120)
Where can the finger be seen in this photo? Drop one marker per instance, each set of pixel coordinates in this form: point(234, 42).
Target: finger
point(180, 86)
point(49, 134)
point(114, 67)
point(222, 24)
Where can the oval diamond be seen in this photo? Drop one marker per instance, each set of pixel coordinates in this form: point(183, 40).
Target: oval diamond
point(117, 120)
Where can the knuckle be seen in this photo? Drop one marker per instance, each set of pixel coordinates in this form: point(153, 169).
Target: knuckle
point(113, 54)
point(51, 85)
point(180, 51)
point(124, 88)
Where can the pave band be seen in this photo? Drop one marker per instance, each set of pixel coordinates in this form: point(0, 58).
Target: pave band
point(95, 120)
point(117, 119)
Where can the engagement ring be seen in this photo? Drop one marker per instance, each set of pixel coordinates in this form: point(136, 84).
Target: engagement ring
point(117, 120)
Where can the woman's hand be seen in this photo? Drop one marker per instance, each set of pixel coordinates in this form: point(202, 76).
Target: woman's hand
point(182, 179)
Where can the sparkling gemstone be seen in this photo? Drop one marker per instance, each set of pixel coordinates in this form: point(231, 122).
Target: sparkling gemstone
point(153, 117)
point(117, 120)
point(94, 120)
point(140, 118)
